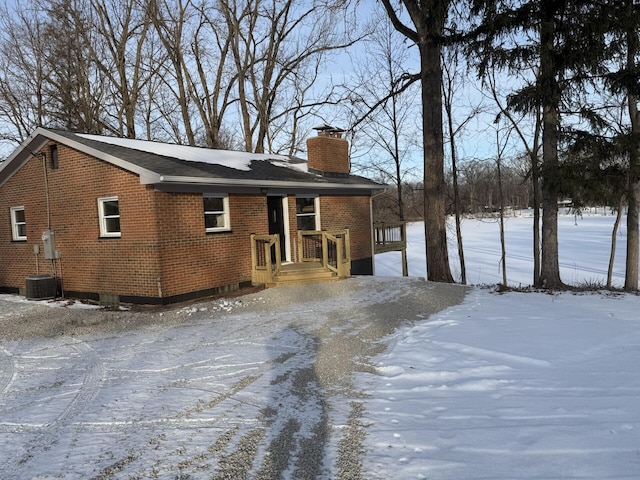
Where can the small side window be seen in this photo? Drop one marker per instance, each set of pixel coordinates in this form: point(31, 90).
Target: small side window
point(18, 224)
point(53, 153)
point(307, 213)
point(109, 213)
point(216, 213)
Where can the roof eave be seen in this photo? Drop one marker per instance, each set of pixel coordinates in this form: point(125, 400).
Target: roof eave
point(27, 150)
point(280, 184)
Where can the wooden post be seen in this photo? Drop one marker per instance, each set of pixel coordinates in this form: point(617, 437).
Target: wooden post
point(325, 250)
point(267, 257)
point(405, 265)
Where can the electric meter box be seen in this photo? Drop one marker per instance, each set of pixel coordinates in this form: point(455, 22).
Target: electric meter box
point(49, 242)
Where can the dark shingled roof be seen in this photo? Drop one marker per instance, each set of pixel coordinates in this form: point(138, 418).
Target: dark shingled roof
point(266, 168)
point(183, 168)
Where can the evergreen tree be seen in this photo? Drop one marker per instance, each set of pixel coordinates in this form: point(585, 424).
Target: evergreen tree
point(608, 151)
point(563, 37)
point(623, 78)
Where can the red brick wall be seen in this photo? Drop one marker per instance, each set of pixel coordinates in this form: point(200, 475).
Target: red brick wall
point(163, 249)
point(193, 260)
point(89, 264)
point(328, 154)
point(353, 213)
point(17, 260)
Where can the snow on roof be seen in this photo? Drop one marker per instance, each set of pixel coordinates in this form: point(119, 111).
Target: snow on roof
point(226, 158)
point(300, 166)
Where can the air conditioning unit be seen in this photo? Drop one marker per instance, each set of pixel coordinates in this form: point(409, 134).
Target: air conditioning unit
point(40, 287)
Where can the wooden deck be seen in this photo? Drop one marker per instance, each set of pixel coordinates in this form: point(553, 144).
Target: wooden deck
point(391, 237)
point(321, 257)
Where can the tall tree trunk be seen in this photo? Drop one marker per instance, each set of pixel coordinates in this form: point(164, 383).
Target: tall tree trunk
point(614, 235)
point(549, 268)
point(456, 194)
point(503, 248)
point(435, 224)
point(396, 156)
point(429, 17)
point(633, 192)
point(633, 198)
point(456, 201)
point(535, 178)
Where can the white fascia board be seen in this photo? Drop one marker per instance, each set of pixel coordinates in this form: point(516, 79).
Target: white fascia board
point(263, 184)
point(21, 155)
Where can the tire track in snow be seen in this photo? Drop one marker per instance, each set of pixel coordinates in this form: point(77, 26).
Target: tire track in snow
point(175, 461)
point(50, 432)
point(7, 370)
point(233, 453)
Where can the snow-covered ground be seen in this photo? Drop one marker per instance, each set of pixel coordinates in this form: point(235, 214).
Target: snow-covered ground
point(520, 385)
point(584, 245)
point(502, 386)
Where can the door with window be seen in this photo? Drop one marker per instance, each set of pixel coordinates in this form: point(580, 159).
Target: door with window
point(276, 223)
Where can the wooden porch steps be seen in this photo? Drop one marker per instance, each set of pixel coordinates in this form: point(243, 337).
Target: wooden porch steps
point(303, 273)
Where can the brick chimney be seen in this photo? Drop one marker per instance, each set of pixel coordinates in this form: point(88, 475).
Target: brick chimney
point(328, 153)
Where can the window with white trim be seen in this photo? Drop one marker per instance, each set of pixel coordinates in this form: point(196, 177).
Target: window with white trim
point(307, 209)
point(18, 224)
point(216, 213)
point(109, 213)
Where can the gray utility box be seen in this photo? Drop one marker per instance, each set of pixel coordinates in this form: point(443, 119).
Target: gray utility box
point(49, 243)
point(41, 287)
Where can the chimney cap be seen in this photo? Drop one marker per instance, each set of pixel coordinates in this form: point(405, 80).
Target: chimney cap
point(328, 130)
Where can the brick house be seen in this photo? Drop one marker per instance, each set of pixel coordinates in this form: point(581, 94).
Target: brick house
point(146, 222)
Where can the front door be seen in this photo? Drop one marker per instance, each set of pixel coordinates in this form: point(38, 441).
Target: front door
point(276, 222)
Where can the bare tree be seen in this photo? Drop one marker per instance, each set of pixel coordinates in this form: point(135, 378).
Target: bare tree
point(429, 18)
point(614, 236)
point(46, 76)
point(532, 144)
point(277, 46)
point(23, 71)
point(116, 43)
point(453, 83)
point(170, 19)
point(500, 151)
point(76, 88)
point(186, 71)
point(384, 117)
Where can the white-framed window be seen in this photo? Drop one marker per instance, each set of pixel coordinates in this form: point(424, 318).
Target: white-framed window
point(18, 224)
point(109, 213)
point(308, 212)
point(216, 213)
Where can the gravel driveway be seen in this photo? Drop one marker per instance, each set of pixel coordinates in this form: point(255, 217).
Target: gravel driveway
point(257, 386)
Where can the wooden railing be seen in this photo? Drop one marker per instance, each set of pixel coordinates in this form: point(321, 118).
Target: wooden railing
point(389, 236)
point(333, 249)
point(265, 257)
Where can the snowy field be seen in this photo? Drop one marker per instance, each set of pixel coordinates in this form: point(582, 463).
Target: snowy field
point(584, 245)
point(502, 386)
